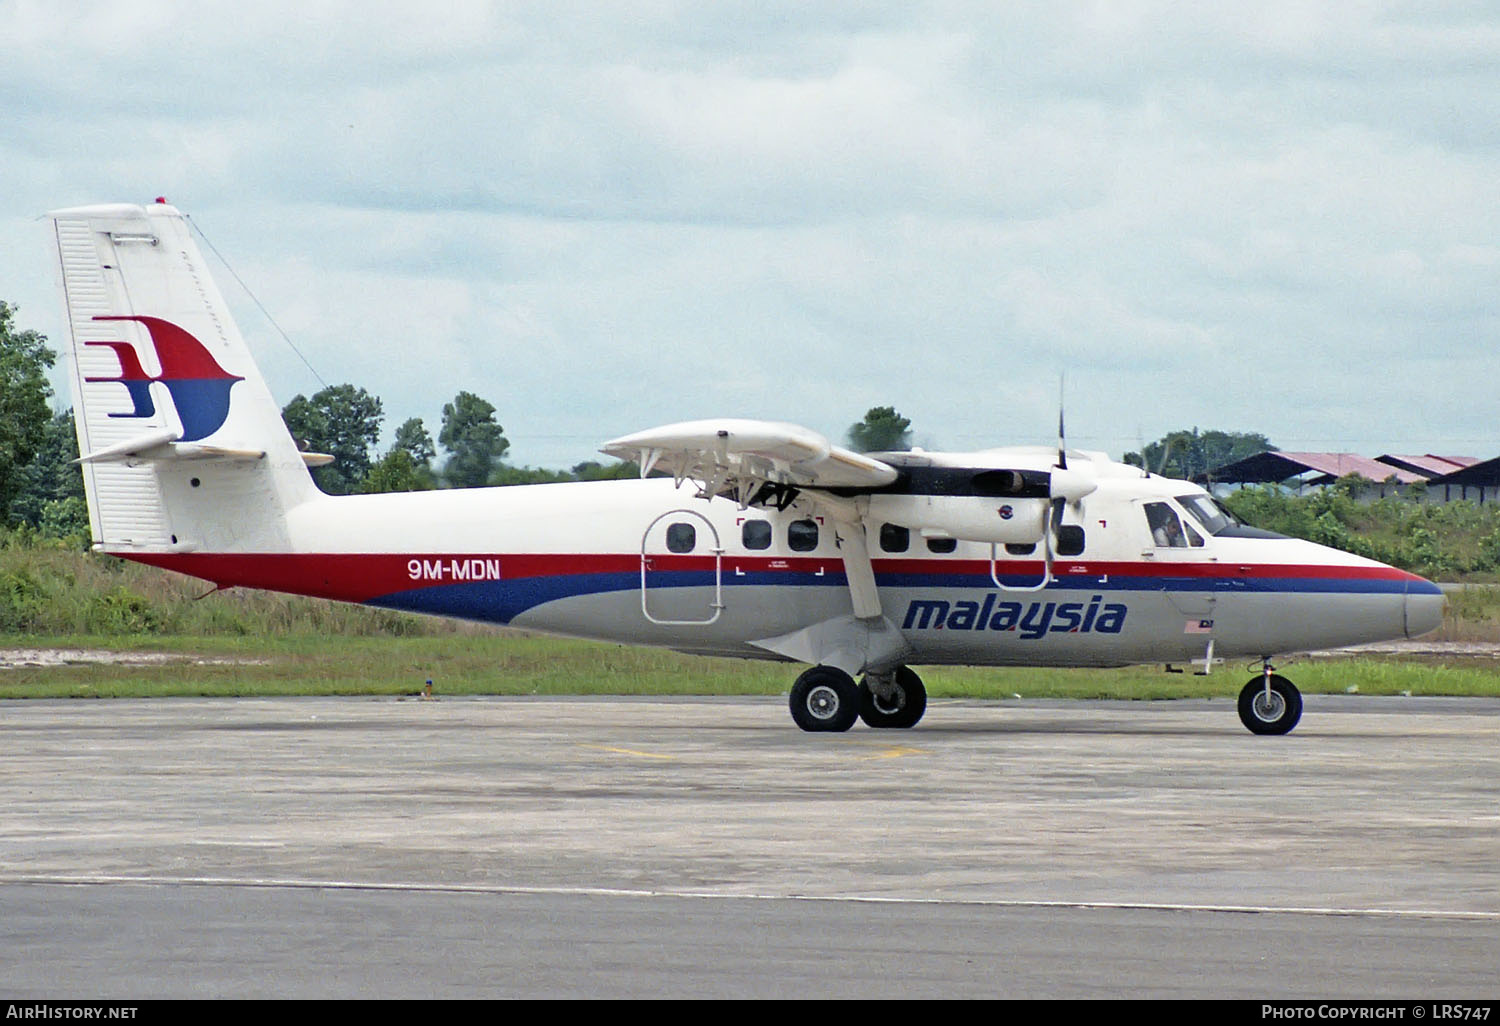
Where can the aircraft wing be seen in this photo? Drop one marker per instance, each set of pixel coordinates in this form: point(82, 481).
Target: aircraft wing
point(740, 458)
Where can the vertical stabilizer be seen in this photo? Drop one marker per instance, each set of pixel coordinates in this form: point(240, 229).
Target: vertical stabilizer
point(183, 447)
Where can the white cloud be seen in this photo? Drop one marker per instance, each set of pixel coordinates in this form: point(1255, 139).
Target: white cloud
point(603, 216)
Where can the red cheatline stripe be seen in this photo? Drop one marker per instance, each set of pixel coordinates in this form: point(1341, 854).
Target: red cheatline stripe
point(358, 577)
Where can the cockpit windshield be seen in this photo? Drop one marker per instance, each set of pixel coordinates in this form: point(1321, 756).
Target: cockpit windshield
point(1209, 512)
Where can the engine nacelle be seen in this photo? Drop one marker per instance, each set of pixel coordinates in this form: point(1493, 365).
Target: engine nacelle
point(1002, 520)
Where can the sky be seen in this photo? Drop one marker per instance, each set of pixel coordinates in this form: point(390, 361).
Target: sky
point(1280, 217)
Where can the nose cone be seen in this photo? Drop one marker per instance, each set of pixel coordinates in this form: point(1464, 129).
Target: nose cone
point(1424, 607)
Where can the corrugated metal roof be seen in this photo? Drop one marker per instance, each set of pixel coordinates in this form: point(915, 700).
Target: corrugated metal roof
point(1484, 472)
point(1340, 464)
point(1279, 466)
point(1429, 465)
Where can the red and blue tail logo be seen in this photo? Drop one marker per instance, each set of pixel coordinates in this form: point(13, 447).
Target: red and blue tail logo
point(199, 387)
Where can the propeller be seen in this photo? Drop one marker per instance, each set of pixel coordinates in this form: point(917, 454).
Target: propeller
point(1066, 486)
point(1058, 500)
point(1062, 435)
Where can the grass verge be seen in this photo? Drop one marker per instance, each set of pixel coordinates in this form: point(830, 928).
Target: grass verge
point(509, 663)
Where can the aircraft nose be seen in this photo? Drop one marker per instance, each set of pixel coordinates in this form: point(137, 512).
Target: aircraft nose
point(1424, 608)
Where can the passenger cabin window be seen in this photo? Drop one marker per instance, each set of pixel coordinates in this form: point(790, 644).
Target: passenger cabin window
point(1070, 540)
point(1020, 550)
point(894, 538)
point(802, 535)
point(681, 538)
point(756, 534)
point(1167, 530)
point(942, 545)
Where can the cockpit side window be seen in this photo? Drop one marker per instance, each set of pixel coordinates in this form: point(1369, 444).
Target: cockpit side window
point(1166, 529)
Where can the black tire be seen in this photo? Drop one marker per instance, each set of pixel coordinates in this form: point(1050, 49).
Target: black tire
point(825, 699)
point(909, 705)
point(1279, 714)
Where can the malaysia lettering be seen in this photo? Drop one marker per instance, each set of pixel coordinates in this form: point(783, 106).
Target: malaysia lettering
point(1033, 620)
point(453, 569)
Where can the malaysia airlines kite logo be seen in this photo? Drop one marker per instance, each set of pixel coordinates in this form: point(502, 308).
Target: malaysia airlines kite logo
point(199, 387)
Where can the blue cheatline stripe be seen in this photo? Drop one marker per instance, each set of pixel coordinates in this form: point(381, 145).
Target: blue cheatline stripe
point(1158, 582)
point(503, 600)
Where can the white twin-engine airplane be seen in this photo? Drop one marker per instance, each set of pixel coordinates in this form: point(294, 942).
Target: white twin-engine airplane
point(762, 540)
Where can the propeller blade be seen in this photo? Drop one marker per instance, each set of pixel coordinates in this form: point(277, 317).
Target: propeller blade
point(1065, 484)
point(1062, 436)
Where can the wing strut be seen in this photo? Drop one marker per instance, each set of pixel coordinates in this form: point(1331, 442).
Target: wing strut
point(855, 546)
point(866, 641)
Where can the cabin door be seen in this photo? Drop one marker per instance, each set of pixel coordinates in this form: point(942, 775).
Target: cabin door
point(682, 564)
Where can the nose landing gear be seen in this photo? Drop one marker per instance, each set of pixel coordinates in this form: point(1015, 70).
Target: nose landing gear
point(1270, 704)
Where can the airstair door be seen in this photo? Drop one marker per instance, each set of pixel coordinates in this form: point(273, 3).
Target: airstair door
point(682, 565)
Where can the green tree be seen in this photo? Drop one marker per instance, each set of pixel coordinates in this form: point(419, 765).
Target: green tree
point(24, 410)
point(65, 518)
point(51, 476)
point(397, 472)
point(416, 440)
point(407, 465)
point(1188, 454)
point(882, 430)
point(341, 420)
point(474, 440)
point(593, 470)
point(507, 475)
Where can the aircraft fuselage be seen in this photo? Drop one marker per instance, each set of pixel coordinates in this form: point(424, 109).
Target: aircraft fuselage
point(636, 562)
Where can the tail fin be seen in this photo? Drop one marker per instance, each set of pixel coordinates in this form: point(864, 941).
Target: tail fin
point(183, 447)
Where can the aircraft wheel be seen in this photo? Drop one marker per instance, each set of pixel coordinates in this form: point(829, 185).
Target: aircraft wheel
point(825, 698)
point(1276, 713)
point(903, 709)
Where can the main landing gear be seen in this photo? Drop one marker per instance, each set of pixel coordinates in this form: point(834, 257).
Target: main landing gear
point(1270, 704)
point(827, 699)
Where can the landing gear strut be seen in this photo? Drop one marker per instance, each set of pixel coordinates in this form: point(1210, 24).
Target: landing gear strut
point(892, 700)
point(1270, 704)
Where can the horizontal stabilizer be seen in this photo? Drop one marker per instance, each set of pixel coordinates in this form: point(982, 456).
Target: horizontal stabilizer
point(163, 446)
point(215, 452)
point(132, 448)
